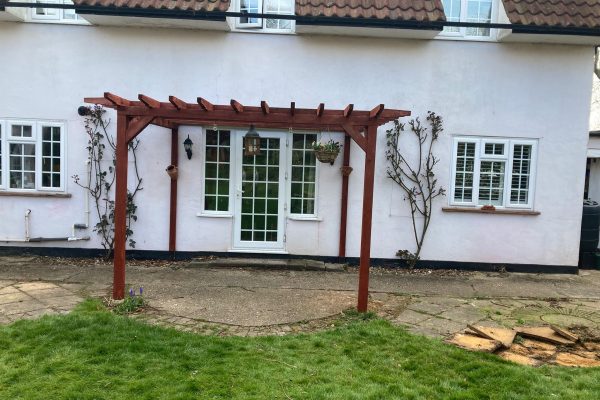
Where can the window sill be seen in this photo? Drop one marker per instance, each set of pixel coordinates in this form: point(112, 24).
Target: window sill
point(205, 215)
point(301, 218)
point(506, 211)
point(36, 194)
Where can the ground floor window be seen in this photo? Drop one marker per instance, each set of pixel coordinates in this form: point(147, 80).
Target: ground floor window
point(217, 159)
point(31, 155)
point(303, 183)
point(493, 171)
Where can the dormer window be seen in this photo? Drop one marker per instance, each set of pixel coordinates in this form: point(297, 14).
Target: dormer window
point(55, 14)
point(468, 11)
point(266, 7)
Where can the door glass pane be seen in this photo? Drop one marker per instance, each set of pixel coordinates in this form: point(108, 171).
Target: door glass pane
point(260, 195)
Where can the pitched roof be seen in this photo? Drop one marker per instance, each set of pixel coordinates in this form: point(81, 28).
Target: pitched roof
point(403, 10)
point(177, 5)
point(555, 13)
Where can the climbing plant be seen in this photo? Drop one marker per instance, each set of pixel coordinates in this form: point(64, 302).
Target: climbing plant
point(415, 173)
point(100, 180)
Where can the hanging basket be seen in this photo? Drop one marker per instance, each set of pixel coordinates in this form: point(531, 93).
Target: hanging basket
point(327, 156)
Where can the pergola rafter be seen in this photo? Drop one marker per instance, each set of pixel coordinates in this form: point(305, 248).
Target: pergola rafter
point(133, 116)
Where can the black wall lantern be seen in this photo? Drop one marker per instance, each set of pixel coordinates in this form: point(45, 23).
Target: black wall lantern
point(187, 145)
point(251, 142)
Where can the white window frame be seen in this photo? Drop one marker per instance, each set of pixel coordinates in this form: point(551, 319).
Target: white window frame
point(288, 198)
point(462, 33)
point(60, 14)
point(260, 26)
point(36, 139)
point(3, 154)
point(232, 162)
point(39, 156)
point(508, 158)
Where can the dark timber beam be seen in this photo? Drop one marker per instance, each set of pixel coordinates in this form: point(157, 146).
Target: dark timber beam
point(149, 101)
point(173, 193)
point(237, 107)
point(205, 104)
point(346, 170)
point(178, 103)
point(120, 226)
point(367, 220)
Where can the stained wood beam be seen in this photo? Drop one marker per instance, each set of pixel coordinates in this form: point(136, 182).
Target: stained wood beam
point(348, 110)
point(116, 100)
point(292, 107)
point(205, 104)
point(237, 107)
point(320, 109)
point(376, 112)
point(265, 107)
point(358, 138)
point(149, 101)
point(137, 125)
point(178, 103)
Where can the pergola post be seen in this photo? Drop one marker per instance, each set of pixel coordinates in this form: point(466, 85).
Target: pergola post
point(367, 218)
point(173, 197)
point(120, 207)
point(344, 206)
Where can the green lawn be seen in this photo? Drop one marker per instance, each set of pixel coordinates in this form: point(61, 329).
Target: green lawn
point(94, 354)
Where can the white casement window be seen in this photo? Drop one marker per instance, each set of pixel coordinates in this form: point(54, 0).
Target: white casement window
point(493, 171)
point(55, 14)
point(468, 11)
point(32, 156)
point(266, 7)
point(303, 182)
point(217, 162)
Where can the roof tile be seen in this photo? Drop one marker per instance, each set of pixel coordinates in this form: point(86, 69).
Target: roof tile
point(402, 10)
point(556, 13)
point(183, 5)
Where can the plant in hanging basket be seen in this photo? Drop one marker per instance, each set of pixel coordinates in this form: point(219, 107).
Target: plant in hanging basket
point(327, 152)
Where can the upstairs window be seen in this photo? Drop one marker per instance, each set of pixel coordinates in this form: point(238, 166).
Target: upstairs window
point(468, 11)
point(266, 7)
point(55, 14)
point(489, 171)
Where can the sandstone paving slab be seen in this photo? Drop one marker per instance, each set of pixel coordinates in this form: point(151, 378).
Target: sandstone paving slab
point(466, 314)
point(502, 335)
point(574, 360)
point(34, 286)
point(474, 343)
point(8, 290)
point(544, 333)
point(441, 327)
point(509, 355)
point(21, 307)
point(61, 302)
point(411, 317)
point(50, 293)
point(14, 297)
point(423, 305)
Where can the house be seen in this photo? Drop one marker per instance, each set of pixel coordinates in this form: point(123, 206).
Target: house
point(511, 79)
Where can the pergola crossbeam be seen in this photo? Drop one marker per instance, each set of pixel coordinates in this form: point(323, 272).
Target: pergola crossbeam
point(237, 107)
point(265, 107)
point(178, 103)
point(205, 104)
point(149, 101)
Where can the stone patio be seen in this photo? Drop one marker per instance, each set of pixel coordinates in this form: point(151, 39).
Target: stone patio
point(249, 301)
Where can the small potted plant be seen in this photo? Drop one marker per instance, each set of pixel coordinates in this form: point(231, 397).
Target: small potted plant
point(327, 152)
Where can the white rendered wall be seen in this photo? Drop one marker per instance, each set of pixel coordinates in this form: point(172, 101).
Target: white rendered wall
point(489, 89)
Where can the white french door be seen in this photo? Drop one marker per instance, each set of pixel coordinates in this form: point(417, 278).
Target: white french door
point(260, 194)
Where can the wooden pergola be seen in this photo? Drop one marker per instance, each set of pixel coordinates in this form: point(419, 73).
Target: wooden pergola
point(134, 116)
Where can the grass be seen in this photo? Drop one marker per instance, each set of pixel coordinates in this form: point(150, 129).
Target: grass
point(94, 354)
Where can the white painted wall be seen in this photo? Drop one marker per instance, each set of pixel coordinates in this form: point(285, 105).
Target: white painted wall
point(490, 89)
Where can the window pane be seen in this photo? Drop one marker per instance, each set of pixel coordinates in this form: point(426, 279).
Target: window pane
point(479, 11)
point(22, 166)
point(249, 7)
point(465, 168)
point(278, 7)
point(491, 183)
point(1, 133)
point(216, 166)
point(521, 166)
point(452, 10)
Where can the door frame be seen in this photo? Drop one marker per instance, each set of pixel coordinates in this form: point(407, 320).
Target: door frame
point(263, 246)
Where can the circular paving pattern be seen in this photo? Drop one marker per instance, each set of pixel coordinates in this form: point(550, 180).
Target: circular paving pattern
point(564, 315)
